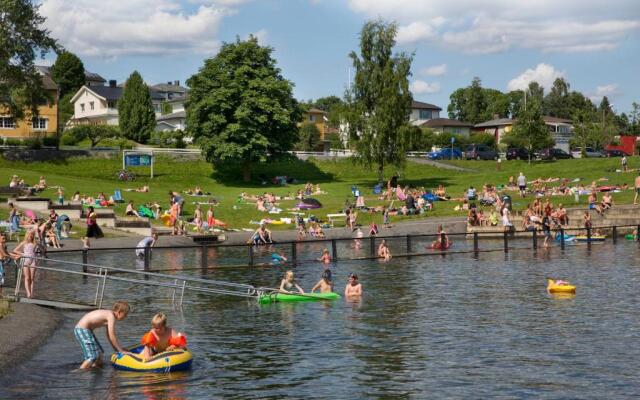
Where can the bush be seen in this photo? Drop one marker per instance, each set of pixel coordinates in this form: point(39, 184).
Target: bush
point(12, 142)
point(309, 137)
point(334, 140)
point(95, 133)
point(33, 143)
point(444, 140)
point(169, 139)
point(68, 139)
point(124, 144)
point(483, 138)
point(50, 141)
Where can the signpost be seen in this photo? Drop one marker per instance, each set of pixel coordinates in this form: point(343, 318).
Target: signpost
point(135, 158)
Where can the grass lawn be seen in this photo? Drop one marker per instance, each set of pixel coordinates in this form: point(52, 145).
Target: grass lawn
point(96, 175)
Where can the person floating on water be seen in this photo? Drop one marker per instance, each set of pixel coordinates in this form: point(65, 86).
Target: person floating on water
point(289, 285)
point(161, 338)
point(92, 351)
point(148, 241)
point(353, 288)
point(325, 284)
point(383, 251)
point(326, 257)
point(277, 258)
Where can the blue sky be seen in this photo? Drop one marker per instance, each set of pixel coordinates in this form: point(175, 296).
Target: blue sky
point(594, 45)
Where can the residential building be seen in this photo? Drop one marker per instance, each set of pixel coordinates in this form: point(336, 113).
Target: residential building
point(317, 117)
point(91, 78)
point(45, 124)
point(174, 120)
point(561, 129)
point(96, 105)
point(446, 125)
point(422, 112)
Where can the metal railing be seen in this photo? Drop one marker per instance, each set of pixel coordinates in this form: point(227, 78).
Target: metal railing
point(103, 274)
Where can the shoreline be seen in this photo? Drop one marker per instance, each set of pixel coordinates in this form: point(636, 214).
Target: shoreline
point(24, 331)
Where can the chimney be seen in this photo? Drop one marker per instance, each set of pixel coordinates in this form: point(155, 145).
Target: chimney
point(176, 83)
point(169, 83)
point(112, 83)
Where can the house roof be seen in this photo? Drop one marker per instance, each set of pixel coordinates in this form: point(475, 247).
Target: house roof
point(156, 95)
point(164, 87)
point(494, 122)
point(555, 120)
point(314, 110)
point(88, 76)
point(179, 99)
point(424, 106)
point(175, 115)
point(108, 92)
point(437, 122)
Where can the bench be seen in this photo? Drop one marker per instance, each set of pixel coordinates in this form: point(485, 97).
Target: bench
point(333, 217)
point(13, 191)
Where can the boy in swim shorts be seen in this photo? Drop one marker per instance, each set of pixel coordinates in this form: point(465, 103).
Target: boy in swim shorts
point(92, 351)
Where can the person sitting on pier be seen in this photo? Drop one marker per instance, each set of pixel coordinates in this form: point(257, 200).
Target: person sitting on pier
point(262, 235)
point(289, 285)
point(607, 202)
point(161, 338)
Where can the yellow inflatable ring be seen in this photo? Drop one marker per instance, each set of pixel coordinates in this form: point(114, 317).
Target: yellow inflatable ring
point(167, 361)
point(553, 287)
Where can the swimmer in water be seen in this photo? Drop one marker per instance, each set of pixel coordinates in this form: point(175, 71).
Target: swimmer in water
point(353, 288)
point(289, 285)
point(326, 257)
point(278, 258)
point(383, 251)
point(324, 284)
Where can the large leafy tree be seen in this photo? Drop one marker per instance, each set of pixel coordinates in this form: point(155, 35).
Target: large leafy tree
point(477, 104)
point(556, 102)
point(379, 100)
point(68, 73)
point(529, 129)
point(136, 117)
point(635, 119)
point(240, 108)
point(309, 137)
point(22, 40)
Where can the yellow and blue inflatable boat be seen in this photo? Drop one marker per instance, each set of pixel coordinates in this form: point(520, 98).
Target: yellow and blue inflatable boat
point(168, 361)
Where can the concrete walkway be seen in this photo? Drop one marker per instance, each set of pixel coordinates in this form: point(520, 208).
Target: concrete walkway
point(438, 164)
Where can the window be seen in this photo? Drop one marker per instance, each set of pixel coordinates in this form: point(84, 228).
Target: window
point(82, 107)
point(312, 118)
point(112, 104)
point(91, 105)
point(40, 124)
point(7, 123)
point(425, 114)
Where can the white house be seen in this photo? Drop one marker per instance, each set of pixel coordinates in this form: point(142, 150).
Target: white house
point(96, 105)
point(422, 112)
point(561, 129)
point(176, 119)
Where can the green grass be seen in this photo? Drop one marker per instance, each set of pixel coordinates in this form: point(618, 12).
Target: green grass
point(96, 175)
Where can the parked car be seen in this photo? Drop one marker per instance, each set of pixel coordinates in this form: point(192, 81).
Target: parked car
point(553, 154)
point(614, 153)
point(446, 153)
point(480, 152)
point(590, 152)
point(517, 153)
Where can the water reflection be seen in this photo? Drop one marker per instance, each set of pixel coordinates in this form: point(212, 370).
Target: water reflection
point(427, 327)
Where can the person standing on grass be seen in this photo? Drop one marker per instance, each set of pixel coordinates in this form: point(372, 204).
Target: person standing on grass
point(522, 184)
point(637, 187)
point(623, 161)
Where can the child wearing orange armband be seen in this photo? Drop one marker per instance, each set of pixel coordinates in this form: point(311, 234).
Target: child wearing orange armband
point(161, 338)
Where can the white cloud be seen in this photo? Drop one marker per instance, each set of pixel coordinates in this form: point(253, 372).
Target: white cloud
point(544, 74)
point(421, 87)
point(491, 26)
point(607, 90)
point(435, 70)
point(141, 27)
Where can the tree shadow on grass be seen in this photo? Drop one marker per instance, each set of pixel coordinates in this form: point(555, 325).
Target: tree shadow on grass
point(427, 183)
point(230, 174)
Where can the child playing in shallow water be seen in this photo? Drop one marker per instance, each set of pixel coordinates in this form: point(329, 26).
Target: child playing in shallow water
point(353, 288)
point(288, 284)
point(161, 338)
point(324, 284)
point(325, 258)
point(92, 351)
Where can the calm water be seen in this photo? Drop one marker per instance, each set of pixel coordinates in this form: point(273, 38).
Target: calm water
point(429, 327)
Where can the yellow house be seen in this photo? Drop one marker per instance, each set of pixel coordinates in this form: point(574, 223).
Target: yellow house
point(45, 124)
point(317, 117)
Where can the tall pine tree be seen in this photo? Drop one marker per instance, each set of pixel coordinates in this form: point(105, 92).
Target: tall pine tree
point(68, 73)
point(137, 119)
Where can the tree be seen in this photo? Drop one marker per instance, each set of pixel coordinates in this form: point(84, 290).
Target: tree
point(535, 92)
point(68, 73)
point(95, 133)
point(379, 99)
point(516, 102)
point(328, 104)
point(498, 104)
point(136, 117)
point(309, 137)
point(65, 109)
point(635, 119)
point(556, 102)
point(165, 108)
point(21, 39)
point(529, 128)
point(241, 108)
point(477, 104)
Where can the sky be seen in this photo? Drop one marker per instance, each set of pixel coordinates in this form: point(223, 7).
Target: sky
point(594, 45)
